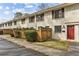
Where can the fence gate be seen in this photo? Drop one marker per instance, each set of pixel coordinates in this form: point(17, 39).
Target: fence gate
point(45, 33)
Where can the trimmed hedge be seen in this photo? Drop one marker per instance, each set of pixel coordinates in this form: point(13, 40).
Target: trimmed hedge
point(31, 36)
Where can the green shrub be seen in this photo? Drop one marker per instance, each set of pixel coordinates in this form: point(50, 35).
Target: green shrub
point(31, 36)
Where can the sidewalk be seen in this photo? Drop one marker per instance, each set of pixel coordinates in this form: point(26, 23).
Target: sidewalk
point(42, 49)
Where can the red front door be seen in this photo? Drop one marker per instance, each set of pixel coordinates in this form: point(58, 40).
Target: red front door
point(70, 32)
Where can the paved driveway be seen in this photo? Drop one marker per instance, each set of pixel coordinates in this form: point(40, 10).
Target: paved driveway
point(10, 49)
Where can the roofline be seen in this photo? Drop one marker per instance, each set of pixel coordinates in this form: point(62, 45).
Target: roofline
point(53, 8)
point(42, 11)
point(14, 19)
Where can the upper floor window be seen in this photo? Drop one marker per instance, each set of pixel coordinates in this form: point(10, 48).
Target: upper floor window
point(23, 21)
point(15, 22)
point(5, 24)
point(58, 13)
point(40, 17)
point(10, 24)
point(31, 19)
point(53, 14)
point(1, 25)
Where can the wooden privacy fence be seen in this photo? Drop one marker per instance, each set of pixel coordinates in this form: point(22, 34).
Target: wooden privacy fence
point(1, 32)
point(42, 33)
point(6, 31)
point(20, 33)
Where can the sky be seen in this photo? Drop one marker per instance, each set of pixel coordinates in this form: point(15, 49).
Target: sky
point(7, 10)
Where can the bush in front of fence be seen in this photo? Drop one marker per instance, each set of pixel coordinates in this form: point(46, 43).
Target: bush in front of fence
point(31, 36)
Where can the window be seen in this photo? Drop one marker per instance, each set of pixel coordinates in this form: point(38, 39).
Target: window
point(53, 14)
point(0, 25)
point(10, 24)
point(40, 17)
point(31, 19)
point(61, 13)
point(58, 13)
point(23, 21)
point(5, 24)
point(15, 22)
point(57, 29)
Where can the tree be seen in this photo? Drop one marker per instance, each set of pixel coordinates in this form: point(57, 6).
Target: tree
point(18, 14)
point(43, 6)
point(46, 5)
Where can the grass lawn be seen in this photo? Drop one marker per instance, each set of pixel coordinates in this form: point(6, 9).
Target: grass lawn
point(54, 44)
